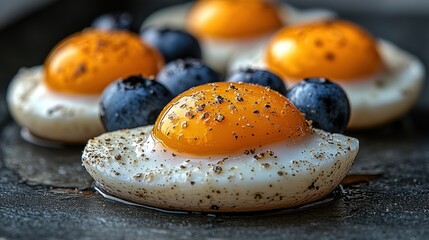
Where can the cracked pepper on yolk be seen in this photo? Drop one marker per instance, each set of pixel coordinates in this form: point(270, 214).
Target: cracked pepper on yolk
point(233, 19)
point(225, 117)
point(87, 62)
point(334, 49)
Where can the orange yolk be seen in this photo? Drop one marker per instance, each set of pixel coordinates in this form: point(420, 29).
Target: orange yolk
point(222, 118)
point(87, 62)
point(233, 19)
point(336, 49)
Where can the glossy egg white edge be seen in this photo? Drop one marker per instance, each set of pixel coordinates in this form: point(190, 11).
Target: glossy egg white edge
point(292, 174)
point(55, 116)
point(216, 52)
point(375, 101)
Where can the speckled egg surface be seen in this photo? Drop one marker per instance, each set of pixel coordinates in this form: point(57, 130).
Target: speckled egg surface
point(271, 177)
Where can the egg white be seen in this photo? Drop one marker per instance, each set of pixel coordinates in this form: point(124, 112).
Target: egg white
point(217, 52)
point(130, 165)
point(376, 100)
point(56, 116)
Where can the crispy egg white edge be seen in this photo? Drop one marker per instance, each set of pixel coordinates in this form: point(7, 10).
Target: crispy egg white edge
point(47, 114)
point(375, 101)
point(216, 52)
point(240, 183)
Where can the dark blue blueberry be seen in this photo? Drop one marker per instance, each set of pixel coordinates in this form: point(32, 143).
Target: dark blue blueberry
point(110, 21)
point(258, 76)
point(172, 43)
point(323, 102)
point(182, 74)
point(132, 102)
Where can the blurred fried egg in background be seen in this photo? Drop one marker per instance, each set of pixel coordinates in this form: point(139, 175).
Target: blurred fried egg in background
point(382, 81)
point(59, 100)
point(225, 27)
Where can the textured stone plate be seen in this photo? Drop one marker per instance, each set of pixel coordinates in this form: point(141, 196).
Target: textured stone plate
point(387, 197)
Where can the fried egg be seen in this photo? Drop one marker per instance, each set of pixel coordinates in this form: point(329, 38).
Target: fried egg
point(59, 100)
point(226, 27)
point(382, 81)
point(222, 147)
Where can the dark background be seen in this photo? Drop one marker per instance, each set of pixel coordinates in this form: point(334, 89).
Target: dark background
point(391, 201)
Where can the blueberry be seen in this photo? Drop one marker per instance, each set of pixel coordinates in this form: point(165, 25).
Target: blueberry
point(110, 21)
point(323, 102)
point(182, 74)
point(132, 102)
point(172, 43)
point(258, 76)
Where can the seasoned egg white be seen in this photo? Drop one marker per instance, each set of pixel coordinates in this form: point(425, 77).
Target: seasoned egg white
point(131, 165)
point(55, 116)
point(374, 101)
point(217, 52)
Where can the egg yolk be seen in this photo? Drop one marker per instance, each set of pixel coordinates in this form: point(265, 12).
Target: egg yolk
point(335, 49)
point(222, 118)
point(233, 19)
point(86, 62)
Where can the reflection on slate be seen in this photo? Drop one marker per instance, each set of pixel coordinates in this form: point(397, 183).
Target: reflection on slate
point(388, 197)
point(3, 112)
point(43, 166)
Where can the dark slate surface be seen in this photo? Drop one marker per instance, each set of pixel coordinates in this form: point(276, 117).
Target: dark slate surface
point(386, 198)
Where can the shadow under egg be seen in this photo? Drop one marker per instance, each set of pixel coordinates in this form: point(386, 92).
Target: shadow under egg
point(28, 136)
point(36, 164)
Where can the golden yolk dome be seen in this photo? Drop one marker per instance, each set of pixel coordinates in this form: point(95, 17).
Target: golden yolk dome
point(233, 19)
point(223, 117)
point(87, 62)
point(334, 49)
